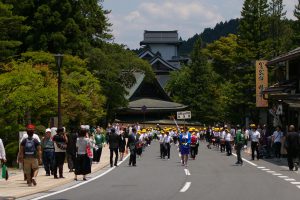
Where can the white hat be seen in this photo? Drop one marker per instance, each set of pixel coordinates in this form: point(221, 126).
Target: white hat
point(48, 130)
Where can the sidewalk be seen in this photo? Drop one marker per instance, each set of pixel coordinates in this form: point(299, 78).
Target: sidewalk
point(16, 187)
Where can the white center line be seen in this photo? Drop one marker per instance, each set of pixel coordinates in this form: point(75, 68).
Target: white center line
point(283, 176)
point(265, 169)
point(290, 179)
point(295, 183)
point(277, 174)
point(186, 187)
point(187, 172)
point(260, 167)
point(247, 161)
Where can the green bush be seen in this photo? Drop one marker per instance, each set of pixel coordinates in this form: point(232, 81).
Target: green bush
point(12, 152)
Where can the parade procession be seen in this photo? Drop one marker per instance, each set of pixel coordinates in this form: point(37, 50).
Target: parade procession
point(149, 100)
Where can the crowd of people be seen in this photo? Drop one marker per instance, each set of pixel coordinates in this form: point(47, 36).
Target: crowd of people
point(83, 148)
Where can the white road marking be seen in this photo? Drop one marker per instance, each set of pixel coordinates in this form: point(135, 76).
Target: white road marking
point(290, 179)
point(260, 167)
point(187, 172)
point(265, 169)
point(186, 187)
point(271, 172)
point(277, 174)
point(295, 183)
point(82, 183)
point(247, 161)
point(298, 186)
point(283, 176)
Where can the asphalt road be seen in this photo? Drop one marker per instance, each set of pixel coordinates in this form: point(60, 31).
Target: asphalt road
point(211, 176)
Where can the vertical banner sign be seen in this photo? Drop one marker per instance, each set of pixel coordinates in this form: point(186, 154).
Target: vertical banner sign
point(261, 83)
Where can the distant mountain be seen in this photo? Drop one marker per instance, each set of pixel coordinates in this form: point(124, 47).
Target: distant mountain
point(209, 35)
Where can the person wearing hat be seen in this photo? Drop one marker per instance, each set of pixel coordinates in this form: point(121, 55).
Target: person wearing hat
point(254, 137)
point(30, 155)
point(48, 152)
point(60, 145)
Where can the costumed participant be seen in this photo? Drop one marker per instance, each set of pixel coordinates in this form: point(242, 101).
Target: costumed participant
point(184, 142)
point(193, 144)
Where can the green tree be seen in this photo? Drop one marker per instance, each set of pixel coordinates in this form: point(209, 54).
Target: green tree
point(23, 89)
point(82, 96)
point(115, 67)
point(280, 38)
point(194, 85)
point(253, 29)
point(11, 29)
point(67, 26)
point(236, 77)
point(297, 24)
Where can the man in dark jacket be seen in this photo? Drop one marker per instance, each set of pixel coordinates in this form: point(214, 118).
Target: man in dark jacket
point(133, 139)
point(292, 146)
point(113, 141)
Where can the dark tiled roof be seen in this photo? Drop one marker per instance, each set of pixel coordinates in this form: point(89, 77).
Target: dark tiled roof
point(284, 57)
point(154, 104)
point(139, 77)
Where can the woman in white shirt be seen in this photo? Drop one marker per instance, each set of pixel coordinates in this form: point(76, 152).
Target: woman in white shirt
point(2, 152)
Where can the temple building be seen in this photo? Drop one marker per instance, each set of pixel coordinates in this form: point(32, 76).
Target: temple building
point(148, 101)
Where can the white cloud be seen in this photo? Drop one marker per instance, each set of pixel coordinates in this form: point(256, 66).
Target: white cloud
point(131, 17)
point(188, 17)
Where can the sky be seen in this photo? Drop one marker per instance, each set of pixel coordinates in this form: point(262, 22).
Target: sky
point(131, 17)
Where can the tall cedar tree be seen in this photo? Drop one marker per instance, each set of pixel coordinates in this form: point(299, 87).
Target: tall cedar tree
point(67, 26)
point(11, 29)
point(297, 24)
point(253, 29)
point(280, 30)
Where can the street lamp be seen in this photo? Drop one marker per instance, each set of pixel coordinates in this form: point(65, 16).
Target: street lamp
point(58, 61)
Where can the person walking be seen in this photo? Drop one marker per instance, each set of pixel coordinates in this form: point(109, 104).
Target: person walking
point(276, 139)
point(25, 136)
point(132, 142)
point(292, 146)
point(193, 145)
point(167, 143)
point(184, 143)
point(82, 163)
point(114, 143)
point(60, 145)
point(71, 150)
point(99, 143)
point(161, 144)
point(228, 140)
point(48, 152)
point(254, 136)
point(122, 144)
point(239, 143)
point(2, 152)
point(31, 155)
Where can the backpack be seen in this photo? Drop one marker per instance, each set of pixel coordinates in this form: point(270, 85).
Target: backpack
point(193, 140)
point(29, 147)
